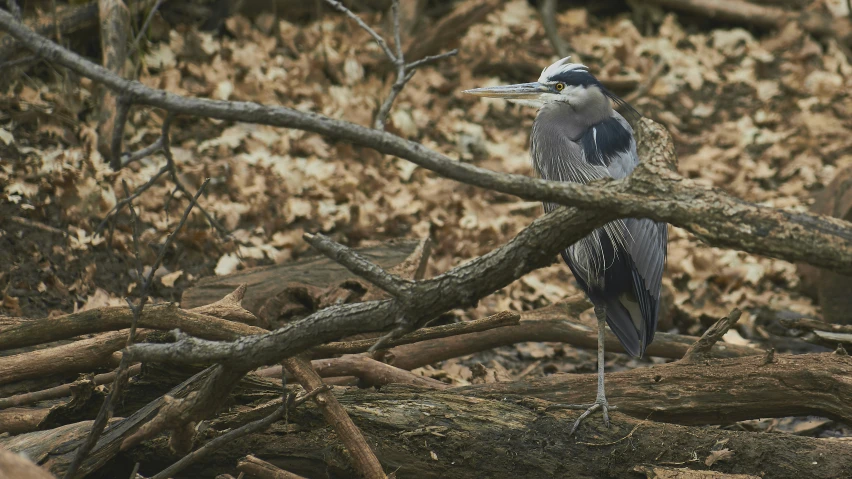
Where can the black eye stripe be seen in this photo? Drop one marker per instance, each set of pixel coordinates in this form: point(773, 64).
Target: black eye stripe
point(575, 77)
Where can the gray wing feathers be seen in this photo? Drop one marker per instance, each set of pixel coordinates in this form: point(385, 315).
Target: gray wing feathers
point(647, 247)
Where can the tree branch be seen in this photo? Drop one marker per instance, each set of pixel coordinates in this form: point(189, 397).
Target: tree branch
point(499, 320)
point(363, 458)
point(392, 284)
point(701, 349)
point(157, 316)
point(404, 71)
point(720, 391)
point(534, 247)
point(651, 192)
point(229, 437)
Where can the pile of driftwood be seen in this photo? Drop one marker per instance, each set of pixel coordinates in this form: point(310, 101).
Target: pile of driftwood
point(207, 397)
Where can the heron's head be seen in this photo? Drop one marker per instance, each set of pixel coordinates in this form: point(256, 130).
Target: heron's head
point(565, 82)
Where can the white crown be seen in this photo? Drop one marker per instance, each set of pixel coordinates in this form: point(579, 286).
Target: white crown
point(559, 67)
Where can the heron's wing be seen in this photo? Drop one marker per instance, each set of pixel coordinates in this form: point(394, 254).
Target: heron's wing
point(647, 248)
point(647, 251)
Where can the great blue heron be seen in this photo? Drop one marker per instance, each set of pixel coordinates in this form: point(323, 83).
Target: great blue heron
point(577, 136)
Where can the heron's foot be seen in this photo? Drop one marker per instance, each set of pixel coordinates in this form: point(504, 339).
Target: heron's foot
point(600, 404)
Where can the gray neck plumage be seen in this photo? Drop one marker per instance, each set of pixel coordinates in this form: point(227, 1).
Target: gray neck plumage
point(576, 119)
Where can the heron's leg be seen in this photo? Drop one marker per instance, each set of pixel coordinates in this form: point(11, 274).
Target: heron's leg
point(600, 401)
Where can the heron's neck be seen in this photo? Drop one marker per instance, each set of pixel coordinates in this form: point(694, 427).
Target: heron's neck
point(574, 120)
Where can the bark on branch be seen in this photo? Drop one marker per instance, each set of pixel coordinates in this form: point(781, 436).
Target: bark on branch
point(711, 392)
point(157, 316)
point(534, 247)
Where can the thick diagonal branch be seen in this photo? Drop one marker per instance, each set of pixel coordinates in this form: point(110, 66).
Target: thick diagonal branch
point(534, 247)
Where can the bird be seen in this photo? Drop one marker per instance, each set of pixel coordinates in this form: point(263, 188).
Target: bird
point(578, 136)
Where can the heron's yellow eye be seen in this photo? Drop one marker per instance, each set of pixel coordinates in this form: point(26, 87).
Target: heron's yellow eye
point(560, 86)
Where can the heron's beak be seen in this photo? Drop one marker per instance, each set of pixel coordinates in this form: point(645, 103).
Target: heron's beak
point(523, 91)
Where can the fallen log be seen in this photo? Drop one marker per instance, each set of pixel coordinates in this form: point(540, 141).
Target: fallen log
point(266, 283)
point(84, 355)
point(813, 21)
point(720, 391)
point(703, 392)
point(432, 434)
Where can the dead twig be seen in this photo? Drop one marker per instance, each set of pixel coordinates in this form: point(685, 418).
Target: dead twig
point(229, 437)
point(105, 413)
point(136, 194)
point(60, 391)
point(404, 71)
point(363, 458)
point(161, 144)
point(128, 158)
point(264, 470)
point(369, 371)
point(701, 349)
point(499, 320)
point(134, 47)
point(34, 224)
point(392, 284)
point(612, 443)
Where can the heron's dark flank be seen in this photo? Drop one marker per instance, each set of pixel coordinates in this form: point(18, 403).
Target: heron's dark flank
point(577, 136)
